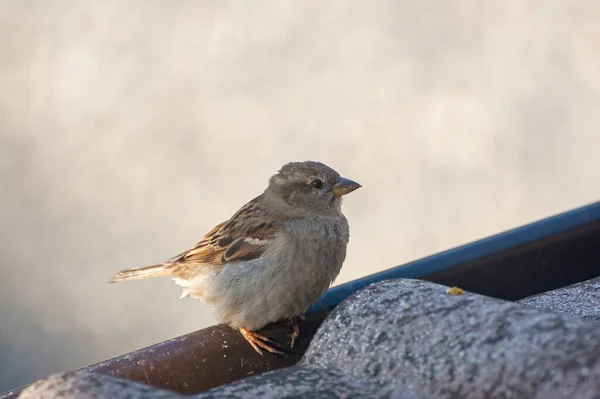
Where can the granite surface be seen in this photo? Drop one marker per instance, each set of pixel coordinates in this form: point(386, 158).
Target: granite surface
point(413, 339)
point(303, 382)
point(414, 335)
point(581, 299)
point(93, 386)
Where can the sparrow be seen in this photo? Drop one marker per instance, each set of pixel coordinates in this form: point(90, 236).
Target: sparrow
point(273, 259)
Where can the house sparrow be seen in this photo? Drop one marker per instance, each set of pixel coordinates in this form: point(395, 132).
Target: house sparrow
point(273, 259)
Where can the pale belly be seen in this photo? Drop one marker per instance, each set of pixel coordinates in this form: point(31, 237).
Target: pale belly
point(279, 285)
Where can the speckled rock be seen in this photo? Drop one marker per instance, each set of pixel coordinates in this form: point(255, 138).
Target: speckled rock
point(301, 382)
point(581, 299)
point(411, 339)
point(292, 382)
point(92, 386)
point(411, 334)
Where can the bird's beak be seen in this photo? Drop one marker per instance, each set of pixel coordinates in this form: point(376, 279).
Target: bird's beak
point(344, 186)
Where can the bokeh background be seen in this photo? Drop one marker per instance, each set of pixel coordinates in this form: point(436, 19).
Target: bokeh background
point(129, 129)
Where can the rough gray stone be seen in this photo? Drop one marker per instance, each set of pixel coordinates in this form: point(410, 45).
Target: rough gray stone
point(411, 334)
point(581, 299)
point(93, 386)
point(292, 382)
point(410, 339)
point(301, 382)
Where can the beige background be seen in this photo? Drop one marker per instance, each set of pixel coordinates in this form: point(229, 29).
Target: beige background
point(128, 129)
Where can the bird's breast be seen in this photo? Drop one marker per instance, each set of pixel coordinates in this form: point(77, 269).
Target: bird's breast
point(294, 271)
point(310, 255)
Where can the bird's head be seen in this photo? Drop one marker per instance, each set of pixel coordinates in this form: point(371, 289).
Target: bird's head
point(312, 186)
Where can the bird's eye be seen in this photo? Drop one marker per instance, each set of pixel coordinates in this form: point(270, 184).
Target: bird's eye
point(317, 183)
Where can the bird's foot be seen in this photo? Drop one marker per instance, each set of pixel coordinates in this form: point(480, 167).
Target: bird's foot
point(295, 330)
point(258, 341)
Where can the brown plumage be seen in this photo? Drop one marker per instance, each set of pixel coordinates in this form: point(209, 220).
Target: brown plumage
point(273, 258)
point(243, 237)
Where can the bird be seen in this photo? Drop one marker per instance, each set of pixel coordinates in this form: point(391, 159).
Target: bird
point(273, 259)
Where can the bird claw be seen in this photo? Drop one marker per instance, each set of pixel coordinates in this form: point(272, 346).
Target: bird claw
point(295, 330)
point(258, 341)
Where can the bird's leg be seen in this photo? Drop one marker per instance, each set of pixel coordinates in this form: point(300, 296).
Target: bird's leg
point(295, 329)
point(258, 341)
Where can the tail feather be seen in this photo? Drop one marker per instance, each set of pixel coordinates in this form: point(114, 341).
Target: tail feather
point(160, 270)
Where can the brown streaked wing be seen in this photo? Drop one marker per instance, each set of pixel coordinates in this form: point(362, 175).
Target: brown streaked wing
point(243, 237)
point(201, 246)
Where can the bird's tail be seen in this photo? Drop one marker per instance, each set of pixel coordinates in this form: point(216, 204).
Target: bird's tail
point(160, 270)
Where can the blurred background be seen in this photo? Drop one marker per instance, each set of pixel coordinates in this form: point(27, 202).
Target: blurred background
point(129, 129)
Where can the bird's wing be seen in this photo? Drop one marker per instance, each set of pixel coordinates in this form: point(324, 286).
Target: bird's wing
point(243, 237)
